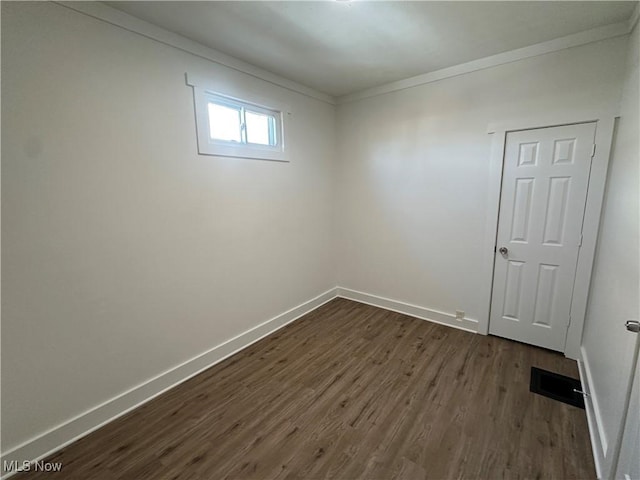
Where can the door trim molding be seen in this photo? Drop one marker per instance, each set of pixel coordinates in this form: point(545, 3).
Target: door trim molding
point(605, 124)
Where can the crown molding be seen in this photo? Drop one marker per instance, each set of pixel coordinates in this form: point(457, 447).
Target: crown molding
point(132, 24)
point(112, 16)
point(574, 40)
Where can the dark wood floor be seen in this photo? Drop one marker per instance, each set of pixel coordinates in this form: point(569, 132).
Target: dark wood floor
point(350, 391)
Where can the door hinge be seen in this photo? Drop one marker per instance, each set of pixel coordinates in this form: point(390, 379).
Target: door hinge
point(593, 150)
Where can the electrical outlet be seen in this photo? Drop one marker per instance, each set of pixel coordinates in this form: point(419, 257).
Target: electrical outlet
point(459, 315)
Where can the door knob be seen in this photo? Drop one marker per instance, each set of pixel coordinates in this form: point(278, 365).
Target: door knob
point(503, 251)
point(632, 325)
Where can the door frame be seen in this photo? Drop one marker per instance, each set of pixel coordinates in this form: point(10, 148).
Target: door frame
point(605, 125)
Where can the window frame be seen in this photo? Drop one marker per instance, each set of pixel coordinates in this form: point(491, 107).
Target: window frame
point(204, 94)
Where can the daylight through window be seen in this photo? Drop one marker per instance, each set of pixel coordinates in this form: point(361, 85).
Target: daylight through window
point(234, 122)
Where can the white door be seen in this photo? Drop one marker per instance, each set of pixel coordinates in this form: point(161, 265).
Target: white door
point(544, 189)
point(628, 467)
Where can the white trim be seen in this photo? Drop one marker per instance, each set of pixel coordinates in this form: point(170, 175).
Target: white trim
point(594, 419)
point(115, 17)
point(605, 121)
point(211, 84)
point(574, 40)
point(491, 225)
point(68, 432)
point(590, 227)
point(551, 120)
point(435, 316)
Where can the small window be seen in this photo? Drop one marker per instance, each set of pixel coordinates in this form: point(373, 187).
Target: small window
point(228, 126)
point(241, 122)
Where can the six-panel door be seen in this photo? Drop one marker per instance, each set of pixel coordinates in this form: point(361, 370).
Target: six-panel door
point(544, 189)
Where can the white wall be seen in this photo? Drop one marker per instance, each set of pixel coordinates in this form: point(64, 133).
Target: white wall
point(124, 252)
point(413, 171)
point(615, 288)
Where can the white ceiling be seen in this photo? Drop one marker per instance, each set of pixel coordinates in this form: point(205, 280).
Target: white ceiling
point(341, 47)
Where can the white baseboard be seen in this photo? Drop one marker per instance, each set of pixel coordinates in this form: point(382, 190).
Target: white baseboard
point(68, 432)
point(448, 319)
point(594, 420)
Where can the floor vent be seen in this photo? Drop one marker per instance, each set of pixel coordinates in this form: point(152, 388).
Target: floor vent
point(556, 386)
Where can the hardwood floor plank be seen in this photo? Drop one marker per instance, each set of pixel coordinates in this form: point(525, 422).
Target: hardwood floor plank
point(349, 391)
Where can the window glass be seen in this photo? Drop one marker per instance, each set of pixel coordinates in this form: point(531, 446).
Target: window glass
point(224, 123)
point(260, 128)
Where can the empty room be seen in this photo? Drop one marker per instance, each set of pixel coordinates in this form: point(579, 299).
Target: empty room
point(306, 240)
